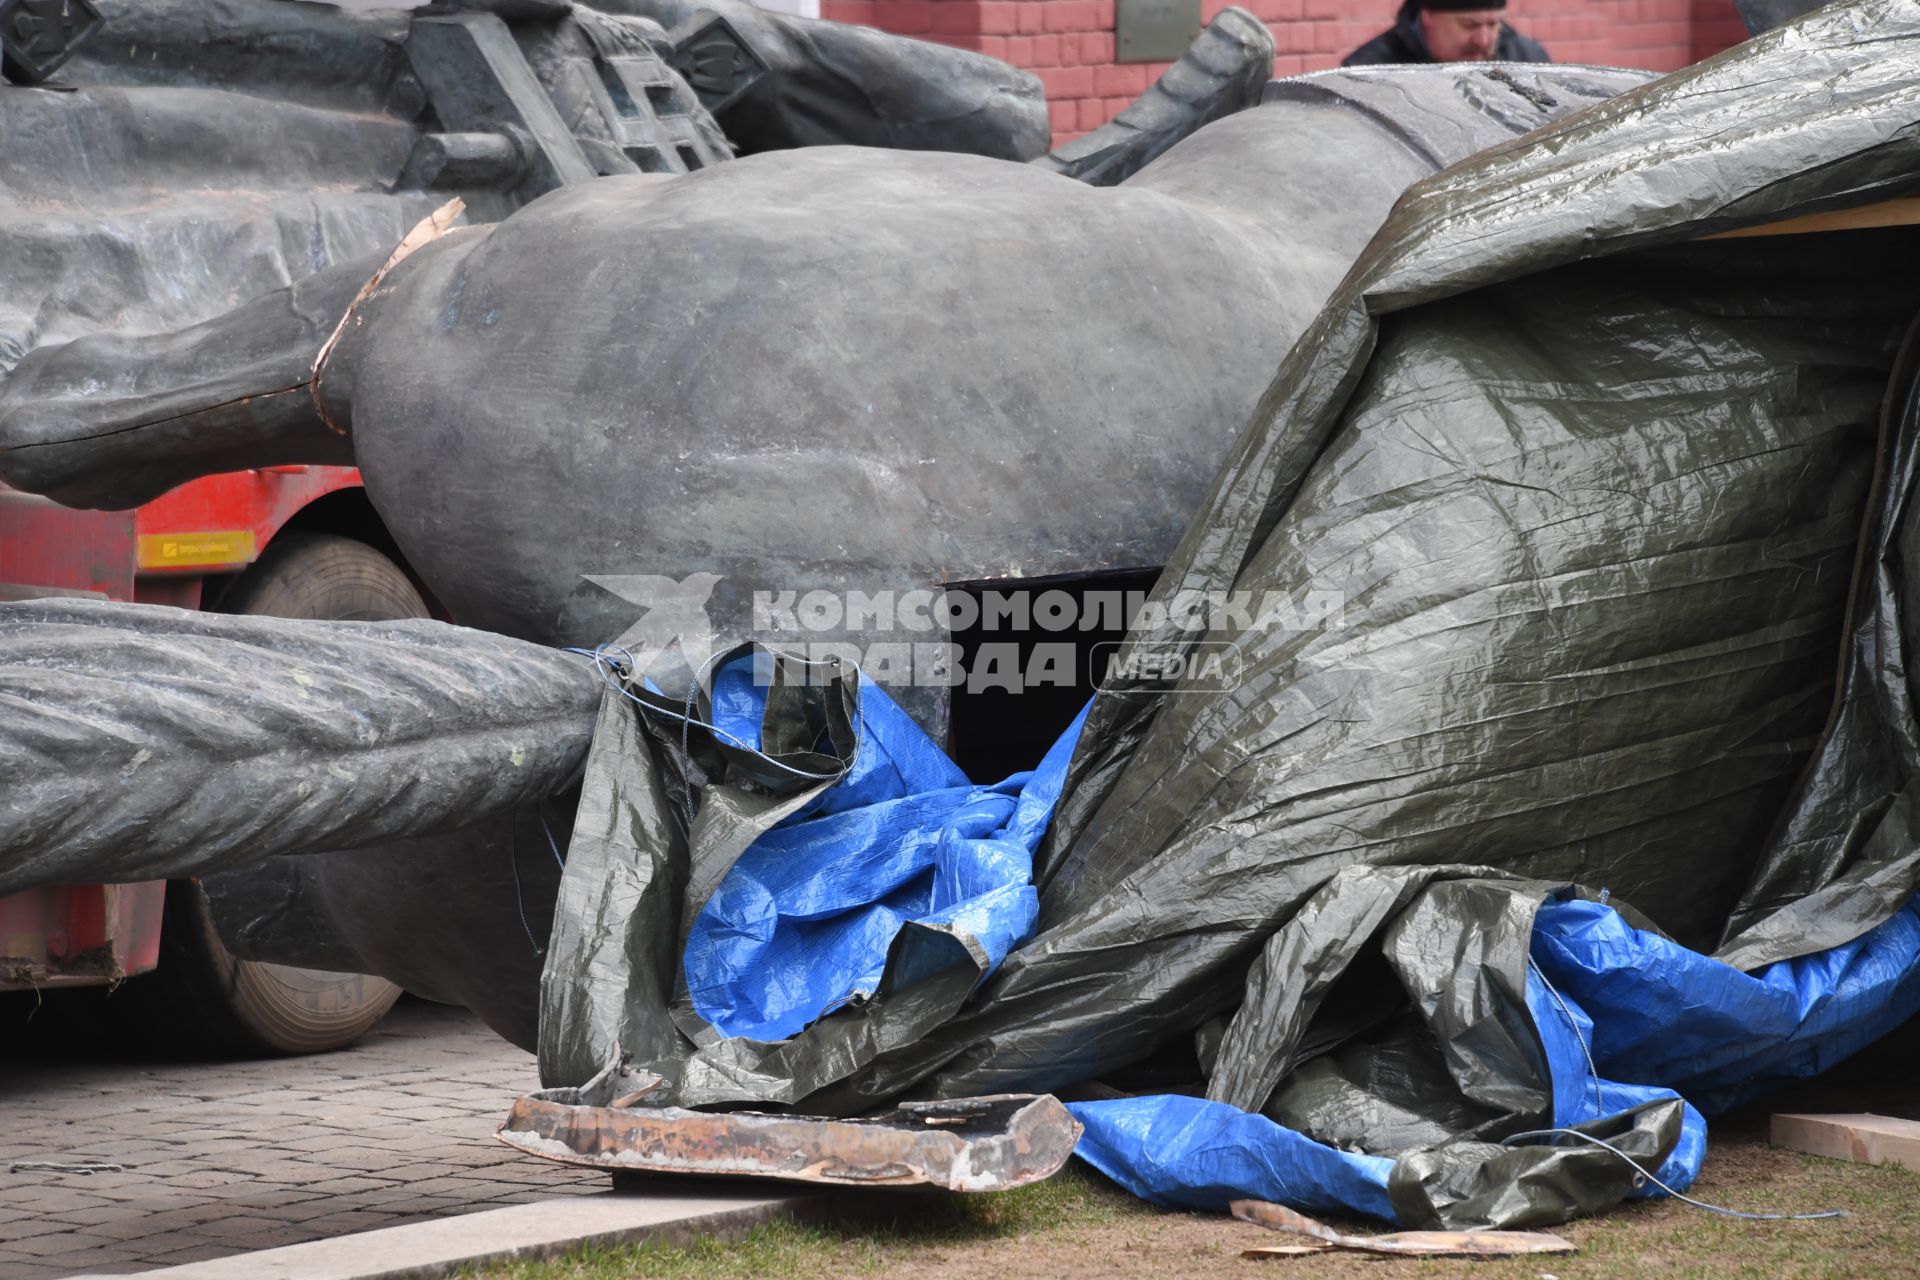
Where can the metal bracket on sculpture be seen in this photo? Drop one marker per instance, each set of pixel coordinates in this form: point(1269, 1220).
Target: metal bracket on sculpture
point(36, 36)
point(717, 61)
point(478, 82)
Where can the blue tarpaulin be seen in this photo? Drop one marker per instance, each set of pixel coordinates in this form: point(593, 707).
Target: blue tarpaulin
point(1625, 1017)
point(807, 918)
point(1663, 1014)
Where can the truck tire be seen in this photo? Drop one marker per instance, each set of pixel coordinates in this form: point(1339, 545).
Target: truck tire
point(218, 1004)
point(247, 1007)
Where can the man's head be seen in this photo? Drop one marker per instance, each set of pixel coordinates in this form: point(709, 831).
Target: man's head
point(1461, 30)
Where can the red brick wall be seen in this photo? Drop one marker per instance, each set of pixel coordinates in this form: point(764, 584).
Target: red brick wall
point(1069, 43)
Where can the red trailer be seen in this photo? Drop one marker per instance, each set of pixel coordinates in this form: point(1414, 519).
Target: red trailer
point(286, 541)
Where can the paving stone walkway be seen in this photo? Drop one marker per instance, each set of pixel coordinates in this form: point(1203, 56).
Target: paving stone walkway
point(221, 1158)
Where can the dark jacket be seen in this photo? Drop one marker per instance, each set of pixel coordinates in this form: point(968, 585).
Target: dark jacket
point(1404, 43)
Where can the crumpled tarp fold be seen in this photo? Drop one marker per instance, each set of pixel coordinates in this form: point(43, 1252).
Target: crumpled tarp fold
point(1608, 504)
point(834, 857)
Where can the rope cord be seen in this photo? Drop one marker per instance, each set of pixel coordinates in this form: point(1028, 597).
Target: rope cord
point(519, 897)
point(615, 676)
point(552, 844)
point(1650, 1177)
point(1593, 1072)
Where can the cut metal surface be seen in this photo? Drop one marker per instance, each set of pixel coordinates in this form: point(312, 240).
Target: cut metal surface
point(1399, 1244)
point(965, 1144)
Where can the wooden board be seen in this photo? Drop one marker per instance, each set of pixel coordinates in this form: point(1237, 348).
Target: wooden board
point(1901, 212)
point(1312, 1236)
point(1863, 1139)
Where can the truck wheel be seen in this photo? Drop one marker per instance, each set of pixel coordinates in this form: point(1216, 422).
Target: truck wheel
point(246, 1006)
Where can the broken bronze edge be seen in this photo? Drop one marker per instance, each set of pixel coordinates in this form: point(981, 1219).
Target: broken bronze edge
point(992, 1143)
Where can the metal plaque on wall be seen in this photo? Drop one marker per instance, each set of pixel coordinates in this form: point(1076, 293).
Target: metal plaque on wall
point(1154, 30)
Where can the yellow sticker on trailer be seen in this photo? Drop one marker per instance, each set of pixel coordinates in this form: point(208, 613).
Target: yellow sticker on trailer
point(195, 550)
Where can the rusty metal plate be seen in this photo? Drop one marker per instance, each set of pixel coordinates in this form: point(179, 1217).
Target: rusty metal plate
point(965, 1144)
point(1154, 30)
